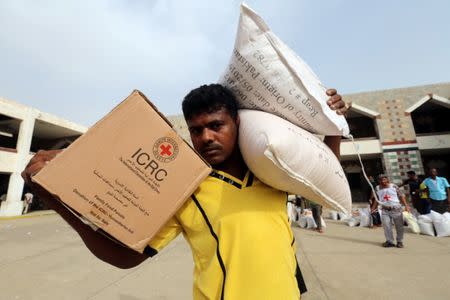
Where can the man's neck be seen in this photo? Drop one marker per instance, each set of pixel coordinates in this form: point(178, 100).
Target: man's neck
point(234, 165)
point(433, 177)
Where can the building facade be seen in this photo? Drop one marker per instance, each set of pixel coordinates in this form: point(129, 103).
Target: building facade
point(394, 131)
point(23, 131)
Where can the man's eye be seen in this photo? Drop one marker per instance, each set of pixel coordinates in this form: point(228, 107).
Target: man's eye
point(194, 131)
point(216, 126)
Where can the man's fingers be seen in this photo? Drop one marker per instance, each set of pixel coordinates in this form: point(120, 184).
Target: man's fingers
point(43, 155)
point(39, 160)
point(32, 170)
point(344, 110)
point(335, 102)
point(331, 92)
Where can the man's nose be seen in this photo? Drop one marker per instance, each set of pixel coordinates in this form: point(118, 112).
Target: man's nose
point(207, 136)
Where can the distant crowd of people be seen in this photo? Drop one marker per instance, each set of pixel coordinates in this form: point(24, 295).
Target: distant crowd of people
point(426, 194)
point(388, 202)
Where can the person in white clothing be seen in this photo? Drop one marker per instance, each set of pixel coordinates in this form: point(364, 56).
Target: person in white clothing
point(27, 200)
point(390, 198)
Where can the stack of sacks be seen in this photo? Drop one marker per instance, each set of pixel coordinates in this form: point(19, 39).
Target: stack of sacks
point(306, 220)
point(344, 216)
point(365, 217)
point(265, 75)
point(411, 221)
point(333, 215)
point(355, 219)
point(441, 223)
point(426, 225)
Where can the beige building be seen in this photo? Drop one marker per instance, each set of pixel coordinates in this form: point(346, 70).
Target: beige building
point(398, 130)
point(395, 131)
point(23, 131)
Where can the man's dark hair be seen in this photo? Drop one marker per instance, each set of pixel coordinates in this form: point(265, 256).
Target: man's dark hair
point(411, 173)
point(207, 99)
point(421, 176)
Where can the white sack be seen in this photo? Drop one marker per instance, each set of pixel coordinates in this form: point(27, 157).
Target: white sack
point(365, 217)
point(310, 223)
point(353, 221)
point(292, 212)
point(333, 215)
point(344, 216)
point(442, 228)
point(425, 227)
point(302, 221)
point(267, 75)
point(411, 221)
point(291, 159)
point(435, 216)
point(446, 215)
point(425, 218)
point(324, 225)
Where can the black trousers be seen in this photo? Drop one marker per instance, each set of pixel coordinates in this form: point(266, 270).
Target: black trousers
point(376, 218)
point(317, 214)
point(440, 206)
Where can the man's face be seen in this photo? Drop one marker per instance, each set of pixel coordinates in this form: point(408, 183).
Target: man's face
point(214, 135)
point(412, 176)
point(433, 172)
point(384, 181)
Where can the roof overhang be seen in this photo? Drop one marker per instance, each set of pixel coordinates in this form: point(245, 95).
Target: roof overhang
point(364, 111)
point(432, 98)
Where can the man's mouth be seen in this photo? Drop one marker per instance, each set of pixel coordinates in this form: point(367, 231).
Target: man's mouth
point(210, 151)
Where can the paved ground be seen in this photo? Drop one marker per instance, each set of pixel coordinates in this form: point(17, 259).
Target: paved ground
point(42, 258)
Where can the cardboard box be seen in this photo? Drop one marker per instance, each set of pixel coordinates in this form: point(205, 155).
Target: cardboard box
point(128, 174)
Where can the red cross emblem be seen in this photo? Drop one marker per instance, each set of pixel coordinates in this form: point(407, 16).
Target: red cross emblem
point(165, 150)
point(387, 198)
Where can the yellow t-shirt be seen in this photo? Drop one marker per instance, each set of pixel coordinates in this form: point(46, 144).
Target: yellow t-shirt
point(422, 191)
point(241, 241)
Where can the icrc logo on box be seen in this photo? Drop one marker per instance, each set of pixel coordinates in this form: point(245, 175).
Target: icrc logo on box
point(165, 149)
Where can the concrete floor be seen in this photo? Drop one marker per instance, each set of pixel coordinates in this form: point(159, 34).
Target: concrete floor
point(42, 258)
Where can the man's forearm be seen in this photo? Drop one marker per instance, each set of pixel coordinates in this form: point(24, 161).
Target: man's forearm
point(403, 199)
point(334, 143)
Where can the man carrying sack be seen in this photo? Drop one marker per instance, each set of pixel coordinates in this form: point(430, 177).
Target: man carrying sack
point(242, 243)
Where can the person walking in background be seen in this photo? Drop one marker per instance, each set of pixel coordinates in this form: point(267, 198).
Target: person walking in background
point(27, 200)
point(438, 191)
point(423, 196)
point(374, 213)
point(317, 215)
point(413, 185)
point(391, 199)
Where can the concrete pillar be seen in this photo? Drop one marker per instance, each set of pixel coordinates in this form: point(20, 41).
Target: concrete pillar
point(13, 204)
